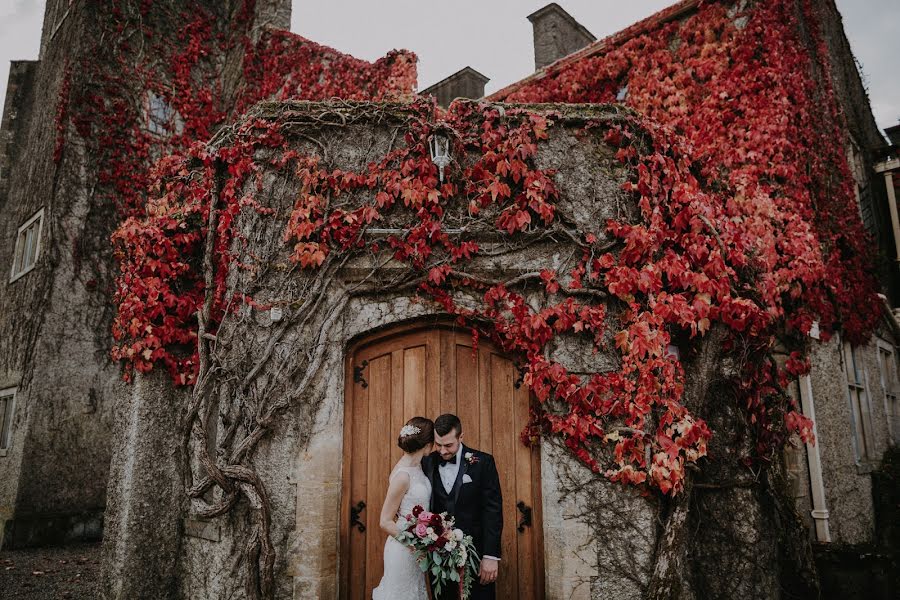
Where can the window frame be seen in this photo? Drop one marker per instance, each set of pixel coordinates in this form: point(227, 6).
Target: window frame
point(36, 217)
point(6, 427)
point(859, 398)
point(172, 124)
point(891, 396)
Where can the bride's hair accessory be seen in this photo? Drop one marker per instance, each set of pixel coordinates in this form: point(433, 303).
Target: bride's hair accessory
point(416, 434)
point(408, 430)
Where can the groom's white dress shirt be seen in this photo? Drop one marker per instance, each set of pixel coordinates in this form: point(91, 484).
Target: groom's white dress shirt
point(448, 472)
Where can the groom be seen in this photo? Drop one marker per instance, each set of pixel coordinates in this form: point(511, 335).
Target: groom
point(465, 484)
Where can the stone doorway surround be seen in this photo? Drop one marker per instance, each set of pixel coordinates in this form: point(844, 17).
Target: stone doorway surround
point(431, 369)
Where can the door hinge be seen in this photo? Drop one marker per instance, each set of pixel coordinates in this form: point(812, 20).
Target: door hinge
point(358, 374)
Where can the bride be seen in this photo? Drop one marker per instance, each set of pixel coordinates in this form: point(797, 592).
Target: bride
point(408, 486)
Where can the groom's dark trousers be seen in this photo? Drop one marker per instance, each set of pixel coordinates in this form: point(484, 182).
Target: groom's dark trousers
point(476, 503)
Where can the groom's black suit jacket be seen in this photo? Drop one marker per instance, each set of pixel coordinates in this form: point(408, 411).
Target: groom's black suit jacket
point(477, 506)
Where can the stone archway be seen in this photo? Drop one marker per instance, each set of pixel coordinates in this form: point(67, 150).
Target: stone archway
point(427, 370)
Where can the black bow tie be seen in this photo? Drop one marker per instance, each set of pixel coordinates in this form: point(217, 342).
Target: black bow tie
point(449, 461)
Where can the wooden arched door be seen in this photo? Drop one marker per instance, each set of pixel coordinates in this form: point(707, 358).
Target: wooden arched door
point(427, 372)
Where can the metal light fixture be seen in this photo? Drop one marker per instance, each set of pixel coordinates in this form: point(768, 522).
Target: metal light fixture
point(439, 145)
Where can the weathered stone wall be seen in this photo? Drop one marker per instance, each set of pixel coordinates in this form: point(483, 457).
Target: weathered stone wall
point(848, 482)
point(15, 112)
point(599, 537)
point(55, 321)
point(465, 83)
point(146, 496)
point(53, 478)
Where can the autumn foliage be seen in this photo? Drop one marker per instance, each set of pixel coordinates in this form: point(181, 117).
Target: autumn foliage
point(751, 102)
point(136, 99)
point(747, 221)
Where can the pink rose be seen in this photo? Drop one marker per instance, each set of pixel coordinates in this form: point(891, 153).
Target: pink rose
point(425, 516)
point(421, 530)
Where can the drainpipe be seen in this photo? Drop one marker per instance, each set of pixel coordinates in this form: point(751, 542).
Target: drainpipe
point(819, 512)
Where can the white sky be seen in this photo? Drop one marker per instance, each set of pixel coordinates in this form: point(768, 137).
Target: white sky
point(493, 36)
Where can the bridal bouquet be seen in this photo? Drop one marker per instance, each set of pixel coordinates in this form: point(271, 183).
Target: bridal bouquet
point(446, 552)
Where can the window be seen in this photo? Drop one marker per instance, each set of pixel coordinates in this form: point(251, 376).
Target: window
point(887, 364)
point(7, 402)
point(864, 199)
point(162, 119)
point(860, 409)
point(28, 246)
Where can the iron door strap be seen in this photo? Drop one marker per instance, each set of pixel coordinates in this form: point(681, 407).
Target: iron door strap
point(358, 374)
point(526, 516)
point(354, 516)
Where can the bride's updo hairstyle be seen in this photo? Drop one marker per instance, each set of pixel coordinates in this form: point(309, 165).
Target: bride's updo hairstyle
point(411, 440)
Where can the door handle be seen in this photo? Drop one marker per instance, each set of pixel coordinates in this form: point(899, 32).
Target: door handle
point(526, 516)
point(354, 516)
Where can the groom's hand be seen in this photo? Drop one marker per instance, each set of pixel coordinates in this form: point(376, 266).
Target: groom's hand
point(489, 569)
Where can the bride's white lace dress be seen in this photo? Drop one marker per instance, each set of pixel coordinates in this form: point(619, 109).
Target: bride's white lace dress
point(403, 579)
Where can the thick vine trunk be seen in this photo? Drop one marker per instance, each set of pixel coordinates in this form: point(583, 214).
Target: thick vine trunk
point(732, 532)
point(669, 579)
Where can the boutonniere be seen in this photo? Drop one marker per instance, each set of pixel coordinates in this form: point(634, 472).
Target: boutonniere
point(471, 458)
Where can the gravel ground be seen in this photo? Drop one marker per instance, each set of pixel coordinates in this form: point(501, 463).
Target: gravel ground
point(68, 572)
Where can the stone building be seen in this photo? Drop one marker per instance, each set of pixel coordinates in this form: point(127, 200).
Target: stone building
point(589, 539)
point(81, 128)
point(379, 354)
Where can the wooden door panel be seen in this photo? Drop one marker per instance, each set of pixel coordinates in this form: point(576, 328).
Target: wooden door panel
point(354, 563)
point(486, 435)
point(468, 400)
point(378, 464)
point(504, 454)
point(448, 373)
point(524, 460)
point(429, 372)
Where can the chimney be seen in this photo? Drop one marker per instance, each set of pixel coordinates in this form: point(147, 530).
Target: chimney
point(556, 34)
point(465, 83)
point(893, 134)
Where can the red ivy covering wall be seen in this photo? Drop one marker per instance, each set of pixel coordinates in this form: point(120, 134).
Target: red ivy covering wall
point(750, 95)
point(757, 112)
point(169, 57)
point(747, 219)
point(178, 56)
point(285, 66)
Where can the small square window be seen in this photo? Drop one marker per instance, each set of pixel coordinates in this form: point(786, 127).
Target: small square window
point(7, 401)
point(162, 119)
point(28, 246)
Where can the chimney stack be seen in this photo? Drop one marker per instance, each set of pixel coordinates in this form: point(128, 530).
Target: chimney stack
point(556, 34)
point(465, 83)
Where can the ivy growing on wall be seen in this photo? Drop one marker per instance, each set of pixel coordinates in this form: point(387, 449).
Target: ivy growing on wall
point(747, 222)
point(743, 224)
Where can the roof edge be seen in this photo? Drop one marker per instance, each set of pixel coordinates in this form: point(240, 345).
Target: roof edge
point(676, 11)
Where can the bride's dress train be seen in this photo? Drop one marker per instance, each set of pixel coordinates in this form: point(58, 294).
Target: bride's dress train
point(403, 579)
